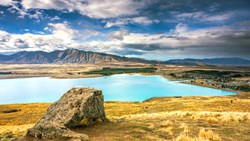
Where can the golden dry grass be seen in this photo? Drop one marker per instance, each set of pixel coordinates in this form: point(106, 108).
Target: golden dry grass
point(186, 118)
point(209, 134)
point(203, 135)
point(15, 129)
point(27, 114)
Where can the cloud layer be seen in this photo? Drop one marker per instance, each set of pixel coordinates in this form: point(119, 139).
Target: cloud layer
point(91, 8)
point(139, 28)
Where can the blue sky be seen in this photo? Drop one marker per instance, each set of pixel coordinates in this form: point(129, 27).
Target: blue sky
point(151, 29)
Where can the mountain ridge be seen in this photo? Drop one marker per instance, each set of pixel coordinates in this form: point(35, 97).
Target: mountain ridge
point(65, 56)
point(84, 57)
point(233, 61)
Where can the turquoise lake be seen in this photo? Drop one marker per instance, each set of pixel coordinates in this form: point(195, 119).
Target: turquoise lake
point(123, 87)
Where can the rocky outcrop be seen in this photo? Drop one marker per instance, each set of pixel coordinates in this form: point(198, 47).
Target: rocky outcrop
point(80, 106)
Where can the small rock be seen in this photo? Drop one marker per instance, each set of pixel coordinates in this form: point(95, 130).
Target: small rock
point(121, 120)
point(75, 136)
point(9, 135)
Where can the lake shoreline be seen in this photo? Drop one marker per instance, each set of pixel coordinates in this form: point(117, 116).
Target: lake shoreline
point(185, 81)
point(78, 71)
point(134, 83)
point(242, 95)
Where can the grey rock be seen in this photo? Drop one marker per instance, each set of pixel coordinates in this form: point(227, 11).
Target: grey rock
point(80, 106)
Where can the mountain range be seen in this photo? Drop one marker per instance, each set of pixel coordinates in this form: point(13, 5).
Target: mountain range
point(82, 57)
point(213, 61)
point(65, 56)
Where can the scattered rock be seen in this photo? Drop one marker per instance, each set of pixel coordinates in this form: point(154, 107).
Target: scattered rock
point(11, 111)
point(9, 135)
point(80, 106)
point(121, 120)
point(73, 136)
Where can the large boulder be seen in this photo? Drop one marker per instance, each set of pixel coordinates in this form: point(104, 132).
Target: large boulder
point(80, 106)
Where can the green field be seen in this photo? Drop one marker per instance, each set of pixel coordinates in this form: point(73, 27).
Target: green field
point(110, 71)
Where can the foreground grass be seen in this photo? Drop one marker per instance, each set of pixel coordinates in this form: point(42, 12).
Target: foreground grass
point(186, 118)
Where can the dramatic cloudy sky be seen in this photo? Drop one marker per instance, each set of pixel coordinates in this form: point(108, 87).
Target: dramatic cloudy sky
point(151, 29)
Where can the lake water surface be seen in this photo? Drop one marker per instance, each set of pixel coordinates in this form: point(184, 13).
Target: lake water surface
point(123, 87)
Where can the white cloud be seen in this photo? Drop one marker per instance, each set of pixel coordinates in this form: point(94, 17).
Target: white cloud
point(204, 17)
point(218, 18)
point(118, 34)
point(55, 18)
point(135, 20)
point(108, 8)
point(142, 20)
point(61, 31)
point(178, 41)
point(61, 37)
point(48, 4)
point(36, 15)
point(180, 28)
point(22, 12)
point(90, 8)
point(3, 36)
point(118, 22)
point(16, 9)
point(7, 2)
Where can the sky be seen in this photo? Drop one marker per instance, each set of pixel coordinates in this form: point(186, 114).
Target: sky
point(150, 29)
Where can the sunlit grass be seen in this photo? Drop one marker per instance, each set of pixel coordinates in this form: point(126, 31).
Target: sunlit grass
point(179, 119)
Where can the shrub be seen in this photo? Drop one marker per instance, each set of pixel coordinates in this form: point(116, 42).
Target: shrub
point(167, 130)
point(212, 120)
point(210, 135)
point(166, 123)
point(185, 137)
